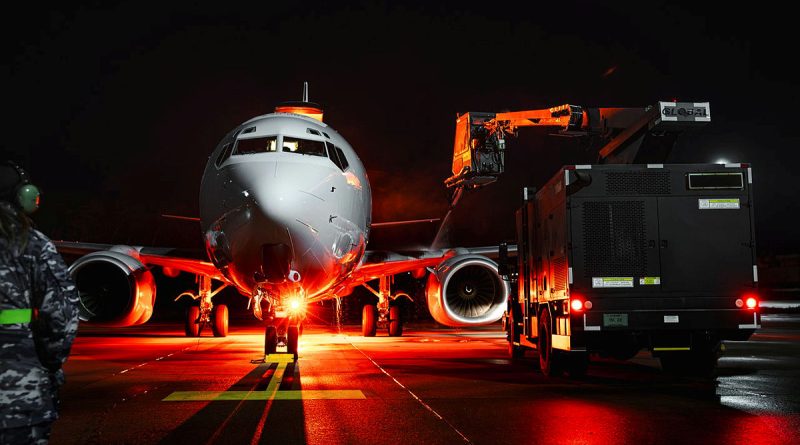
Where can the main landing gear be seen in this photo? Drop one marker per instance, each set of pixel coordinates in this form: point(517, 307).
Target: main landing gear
point(206, 313)
point(385, 313)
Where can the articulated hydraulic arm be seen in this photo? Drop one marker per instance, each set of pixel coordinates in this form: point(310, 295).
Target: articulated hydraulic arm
point(618, 134)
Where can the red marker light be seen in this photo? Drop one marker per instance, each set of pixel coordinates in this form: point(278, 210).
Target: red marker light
point(751, 302)
point(577, 305)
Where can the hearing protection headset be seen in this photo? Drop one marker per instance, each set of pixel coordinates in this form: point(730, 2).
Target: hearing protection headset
point(24, 194)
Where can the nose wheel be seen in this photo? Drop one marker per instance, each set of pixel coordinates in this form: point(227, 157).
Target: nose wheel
point(289, 338)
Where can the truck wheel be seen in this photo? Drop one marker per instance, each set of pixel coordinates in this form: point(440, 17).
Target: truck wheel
point(514, 350)
point(548, 358)
point(369, 320)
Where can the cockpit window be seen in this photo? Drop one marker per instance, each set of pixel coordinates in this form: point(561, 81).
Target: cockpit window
point(224, 154)
point(337, 156)
point(256, 145)
point(304, 146)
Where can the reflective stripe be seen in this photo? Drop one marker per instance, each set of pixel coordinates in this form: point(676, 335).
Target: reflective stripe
point(13, 316)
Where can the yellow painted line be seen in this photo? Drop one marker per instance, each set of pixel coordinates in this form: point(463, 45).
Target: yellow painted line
point(672, 349)
point(304, 394)
point(271, 392)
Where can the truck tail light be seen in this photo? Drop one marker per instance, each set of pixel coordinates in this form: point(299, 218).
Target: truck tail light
point(576, 305)
point(748, 301)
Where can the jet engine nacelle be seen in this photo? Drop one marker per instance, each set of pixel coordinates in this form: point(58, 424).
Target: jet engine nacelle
point(466, 290)
point(115, 288)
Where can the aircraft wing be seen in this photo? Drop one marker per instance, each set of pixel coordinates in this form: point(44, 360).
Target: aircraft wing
point(179, 259)
point(376, 264)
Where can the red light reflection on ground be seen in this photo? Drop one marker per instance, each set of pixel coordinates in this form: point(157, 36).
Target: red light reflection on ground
point(763, 430)
point(589, 423)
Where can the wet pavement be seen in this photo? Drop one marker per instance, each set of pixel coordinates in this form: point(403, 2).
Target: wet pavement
point(433, 386)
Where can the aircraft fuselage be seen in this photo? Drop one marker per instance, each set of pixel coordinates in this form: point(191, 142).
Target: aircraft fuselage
point(285, 190)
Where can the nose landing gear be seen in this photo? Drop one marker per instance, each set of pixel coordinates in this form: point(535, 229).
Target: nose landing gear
point(285, 334)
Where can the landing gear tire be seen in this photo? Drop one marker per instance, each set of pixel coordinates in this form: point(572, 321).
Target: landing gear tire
point(192, 326)
point(549, 360)
point(369, 319)
point(270, 340)
point(292, 336)
point(395, 322)
point(219, 319)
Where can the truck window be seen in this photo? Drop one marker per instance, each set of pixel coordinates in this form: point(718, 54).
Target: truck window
point(256, 145)
point(304, 146)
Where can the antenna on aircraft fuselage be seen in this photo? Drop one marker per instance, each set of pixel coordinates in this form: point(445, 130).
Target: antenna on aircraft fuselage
point(305, 91)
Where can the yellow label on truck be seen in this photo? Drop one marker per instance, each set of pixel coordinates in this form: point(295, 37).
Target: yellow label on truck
point(612, 282)
point(649, 281)
point(707, 204)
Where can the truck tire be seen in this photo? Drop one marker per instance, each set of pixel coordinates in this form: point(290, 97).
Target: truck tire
point(514, 350)
point(549, 361)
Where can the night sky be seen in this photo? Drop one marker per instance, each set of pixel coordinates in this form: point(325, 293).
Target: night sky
point(114, 110)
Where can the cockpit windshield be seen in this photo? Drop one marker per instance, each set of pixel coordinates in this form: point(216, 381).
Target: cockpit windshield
point(304, 146)
point(256, 145)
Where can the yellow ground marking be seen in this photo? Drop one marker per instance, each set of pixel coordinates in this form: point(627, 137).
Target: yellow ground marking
point(271, 392)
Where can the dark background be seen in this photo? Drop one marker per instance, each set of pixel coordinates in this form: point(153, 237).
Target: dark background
point(114, 108)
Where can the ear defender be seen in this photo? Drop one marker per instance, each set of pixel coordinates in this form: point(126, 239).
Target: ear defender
point(28, 198)
point(25, 195)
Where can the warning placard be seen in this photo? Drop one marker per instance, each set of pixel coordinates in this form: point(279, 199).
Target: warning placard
point(726, 203)
point(612, 282)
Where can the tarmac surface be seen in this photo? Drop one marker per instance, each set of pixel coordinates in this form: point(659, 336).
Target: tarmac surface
point(434, 385)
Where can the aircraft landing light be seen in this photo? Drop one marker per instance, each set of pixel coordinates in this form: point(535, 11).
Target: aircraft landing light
point(271, 392)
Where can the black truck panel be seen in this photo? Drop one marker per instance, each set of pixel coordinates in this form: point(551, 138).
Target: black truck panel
point(660, 254)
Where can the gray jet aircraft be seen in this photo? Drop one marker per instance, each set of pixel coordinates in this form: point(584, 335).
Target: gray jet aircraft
point(285, 209)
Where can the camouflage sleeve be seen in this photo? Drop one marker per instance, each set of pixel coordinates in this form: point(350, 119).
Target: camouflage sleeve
point(57, 301)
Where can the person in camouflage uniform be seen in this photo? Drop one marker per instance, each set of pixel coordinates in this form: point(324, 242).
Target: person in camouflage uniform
point(38, 317)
